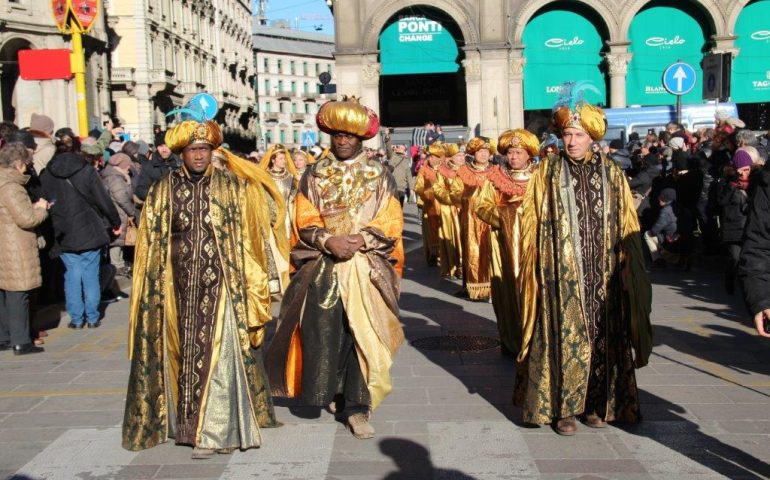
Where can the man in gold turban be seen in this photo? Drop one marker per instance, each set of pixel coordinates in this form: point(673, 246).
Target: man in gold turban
point(474, 233)
point(200, 301)
point(498, 205)
point(585, 296)
point(338, 328)
point(431, 221)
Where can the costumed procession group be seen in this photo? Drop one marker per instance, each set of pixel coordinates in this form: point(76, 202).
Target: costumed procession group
point(555, 247)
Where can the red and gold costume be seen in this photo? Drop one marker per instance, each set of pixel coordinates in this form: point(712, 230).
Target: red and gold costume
point(499, 202)
point(431, 221)
point(450, 240)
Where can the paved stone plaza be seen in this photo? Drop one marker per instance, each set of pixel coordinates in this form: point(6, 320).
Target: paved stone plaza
point(705, 395)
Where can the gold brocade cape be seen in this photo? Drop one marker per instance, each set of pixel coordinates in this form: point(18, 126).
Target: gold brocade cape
point(431, 220)
point(357, 196)
point(556, 349)
point(238, 222)
point(498, 204)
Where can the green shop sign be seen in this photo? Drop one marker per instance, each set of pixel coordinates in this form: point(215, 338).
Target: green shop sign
point(751, 68)
point(659, 37)
point(562, 48)
point(415, 45)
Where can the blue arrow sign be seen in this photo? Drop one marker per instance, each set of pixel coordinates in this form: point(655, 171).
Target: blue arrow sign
point(679, 78)
point(205, 104)
point(308, 138)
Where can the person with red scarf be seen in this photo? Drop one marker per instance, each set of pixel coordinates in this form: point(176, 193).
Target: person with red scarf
point(732, 201)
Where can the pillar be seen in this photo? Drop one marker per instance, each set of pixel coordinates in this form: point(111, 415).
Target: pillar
point(472, 67)
point(618, 59)
point(516, 89)
point(495, 103)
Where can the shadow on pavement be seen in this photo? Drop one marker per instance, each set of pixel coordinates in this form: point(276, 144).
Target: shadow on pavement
point(414, 462)
point(687, 439)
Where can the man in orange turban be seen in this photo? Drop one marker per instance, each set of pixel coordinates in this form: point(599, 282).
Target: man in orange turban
point(585, 296)
point(200, 301)
point(339, 327)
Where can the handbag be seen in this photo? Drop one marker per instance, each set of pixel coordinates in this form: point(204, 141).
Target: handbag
point(131, 231)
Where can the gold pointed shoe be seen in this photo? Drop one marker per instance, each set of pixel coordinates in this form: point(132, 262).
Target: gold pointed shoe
point(360, 427)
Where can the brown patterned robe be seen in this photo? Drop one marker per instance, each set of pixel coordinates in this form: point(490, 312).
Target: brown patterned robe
point(585, 296)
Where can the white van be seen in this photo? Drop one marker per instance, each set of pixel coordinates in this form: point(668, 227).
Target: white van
point(621, 122)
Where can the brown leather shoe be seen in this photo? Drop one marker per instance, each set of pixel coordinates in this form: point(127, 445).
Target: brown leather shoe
point(566, 426)
point(594, 421)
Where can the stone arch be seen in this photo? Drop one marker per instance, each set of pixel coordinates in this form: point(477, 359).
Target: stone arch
point(9, 76)
point(376, 22)
point(533, 6)
point(712, 9)
point(733, 12)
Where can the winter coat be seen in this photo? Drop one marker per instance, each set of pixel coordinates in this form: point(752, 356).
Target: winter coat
point(153, 171)
point(19, 259)
point(642, 182)
point(754, 263)
point(665, 225)
point(622, 158)
point(83, 211)
point(402, 172)
point(119, 187)
point(45, 151)
point(733, 206)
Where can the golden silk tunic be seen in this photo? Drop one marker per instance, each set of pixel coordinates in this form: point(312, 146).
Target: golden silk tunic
point(431, 222)
point(450, 239)
point(585, 296)
point(356, 196)
point(499, 202)
point(476, 249)
point(199, 304)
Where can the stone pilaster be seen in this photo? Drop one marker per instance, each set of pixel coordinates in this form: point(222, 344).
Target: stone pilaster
point(516, 89)
point(472, 67)
point(618, 70)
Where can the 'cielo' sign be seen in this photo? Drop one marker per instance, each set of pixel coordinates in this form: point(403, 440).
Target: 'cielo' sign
point(563, 43)
point(761, 36)
point(663, 42)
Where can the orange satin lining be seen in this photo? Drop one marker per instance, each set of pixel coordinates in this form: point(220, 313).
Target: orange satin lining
point(307, 215)
point(390, 221)
point(294, 365)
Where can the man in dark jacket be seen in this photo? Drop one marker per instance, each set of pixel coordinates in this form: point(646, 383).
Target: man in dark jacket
point(163, 161)
point(619, 154)
point(732, 203)
point(754, 264)
point(82, 214)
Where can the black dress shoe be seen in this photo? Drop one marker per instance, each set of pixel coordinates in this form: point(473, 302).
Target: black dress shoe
point(76, 326)
point(26, 349)
point(96, 324)
point(5, 346)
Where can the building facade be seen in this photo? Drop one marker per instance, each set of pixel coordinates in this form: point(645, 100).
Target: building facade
point(288, 64)
point(166, 51)
point(29, 24)
point(506, 58)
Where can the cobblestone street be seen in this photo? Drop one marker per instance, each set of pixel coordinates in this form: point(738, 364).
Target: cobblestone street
point(705, 395)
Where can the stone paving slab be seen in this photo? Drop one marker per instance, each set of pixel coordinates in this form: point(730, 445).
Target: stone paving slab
point(704, 398)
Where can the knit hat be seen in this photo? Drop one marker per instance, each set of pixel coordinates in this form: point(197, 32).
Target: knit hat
point(144, 149)
point(90, 147)
point(120, 160)
point(668, 195)
point(160, 138)
point(741, 159)
point(676, 142)
point(616, 144)
point(41, 124)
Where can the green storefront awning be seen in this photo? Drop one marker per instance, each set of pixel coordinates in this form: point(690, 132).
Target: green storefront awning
point(415, 45)
point(561, 48)
point(659, 37)
point(751, 68)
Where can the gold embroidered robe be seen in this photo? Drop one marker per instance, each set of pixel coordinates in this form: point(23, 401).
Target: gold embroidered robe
point(475, 234)
point(431, 222)
point(498, 205)
point(235, 397)
point(357, 196)
point(450, 238)
point(557, 348)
